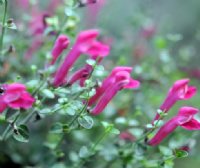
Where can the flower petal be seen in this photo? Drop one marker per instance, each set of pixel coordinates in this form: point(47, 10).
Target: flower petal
point(193, 124)
point(132, 84)
point(192, 90)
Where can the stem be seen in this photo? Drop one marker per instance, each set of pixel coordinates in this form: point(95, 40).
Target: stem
point(9, 128)
point(71, 123)
point(3, 25)
point(79, 114)
point(149, 132)
point(28, 117)
point(91, 150)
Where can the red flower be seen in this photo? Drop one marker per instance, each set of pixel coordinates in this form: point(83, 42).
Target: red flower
point(179, 91)
point(184, 118)
point(107, 82)
point(97, 50)
point(61, 44)
point(119, 79)
point(84, 44)
point(127, 136)
point(15, 96)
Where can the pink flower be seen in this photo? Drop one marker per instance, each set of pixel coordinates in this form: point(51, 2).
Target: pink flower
point(127, 136)
point(53, 5)
point(23, 3)
point(36, 27)
point(93, 11)
point(35, 46)
point(15, 96)
point(107, 82)
point(195, 73)
point(37, 24)
point(118, 80)
point(83, 42)
point(179, 91)
point(185, 148)
point(97, 50)
point(148, 30)
point(184, 118)
point(61, 44)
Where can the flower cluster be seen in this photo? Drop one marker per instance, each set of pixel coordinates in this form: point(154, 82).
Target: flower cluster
point(86, 43)
point(179, 91)
point(184, 118)
point(15, 96)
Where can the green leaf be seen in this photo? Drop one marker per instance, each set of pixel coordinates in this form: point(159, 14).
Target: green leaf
point(62, 100)
point(99, 71)
point(91, 62)
point(68, 110)
point(166, 151)
point(84, 152)
point(110, 128)
point(2, 118)
point(53, 21)
point(22, 134)
point(114, 131)
point(76, 89)
point(180, 153)
point(59, 165)
point(149, 126)
point(105, 124)
point(57, 128)
point(86, 122)
point(32, 84)
point(89, 94)
point(11, 26)
point(1, 2)
point(70, 3)
point(52, 140)
point(48, 93)
point(61, 92)
point(45, 111)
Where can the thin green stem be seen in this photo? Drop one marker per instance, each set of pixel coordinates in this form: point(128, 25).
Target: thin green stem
point(91, 150)
point(71, 123)
point(79, 114)
point(150, 131)
point(9, 128)
point(3, 25)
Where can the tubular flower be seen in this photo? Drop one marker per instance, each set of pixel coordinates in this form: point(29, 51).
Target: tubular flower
point(93, 11)
point(119, 81)
point(184, 118)
point(83, 42)
point(15, 96)
point(96, 51)
point(61, 44)
point(37, 26)
point(22, 3)
point(107, 82)
point(179, 91)
point(127, 136)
